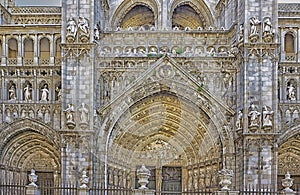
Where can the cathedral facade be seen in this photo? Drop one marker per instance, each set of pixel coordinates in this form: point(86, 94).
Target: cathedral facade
point(195, 90)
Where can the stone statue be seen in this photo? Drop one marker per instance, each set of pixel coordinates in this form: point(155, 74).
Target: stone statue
point(70, 113)
point(254, 22)
point(267, 117)
point(83, 114)
point(27, 93)
point(254, 116)
point(239, 120)
point(71, 28)
point(45, 93)
point(12, 92)
point(291, 92)
point(83, 25)
point(267, 26)
point(84, 29)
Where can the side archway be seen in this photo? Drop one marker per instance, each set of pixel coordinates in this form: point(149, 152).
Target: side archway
point(27, 145)
point(289, 155)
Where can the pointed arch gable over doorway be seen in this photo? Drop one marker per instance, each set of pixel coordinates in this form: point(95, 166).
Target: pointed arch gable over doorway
point(164, 118)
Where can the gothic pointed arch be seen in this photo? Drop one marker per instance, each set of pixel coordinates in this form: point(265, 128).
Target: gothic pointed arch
point(165, 118)
point(192, 14)
point(30, 144)
point(289, 153)
point(135, 14)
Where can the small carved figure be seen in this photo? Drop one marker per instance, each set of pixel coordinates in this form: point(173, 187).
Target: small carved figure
point(45, 92)
point(267, 117)
point(23, 113)
point(47, 119)
point(153, 51)
point(71, 28)
point(241, 32)
point(83, 113)
point(59, 93)
point(27, 93)
point(96, 32)
point(291, 92)
point(253, 25)
point(31, 114)
point(40, 115)
point(8, 117)
point(253, 116)
point(211, 51)
point(84, 180)
point(12, 92)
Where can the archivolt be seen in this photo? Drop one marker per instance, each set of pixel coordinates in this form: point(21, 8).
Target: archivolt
point(24, 140)
point(127, 5)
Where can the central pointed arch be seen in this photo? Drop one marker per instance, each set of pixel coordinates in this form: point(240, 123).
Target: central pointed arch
point(165, 112)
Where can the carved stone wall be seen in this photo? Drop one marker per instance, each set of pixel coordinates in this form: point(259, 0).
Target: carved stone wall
point(197, 86)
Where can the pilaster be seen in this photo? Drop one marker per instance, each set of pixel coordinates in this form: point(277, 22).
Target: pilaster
point(256, 124)
point(77, 87)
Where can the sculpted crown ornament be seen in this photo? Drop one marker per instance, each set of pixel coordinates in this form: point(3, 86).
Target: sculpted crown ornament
point(84, 180)
point(225, 177)
point(143, 175)
point(287, 182)
point(32, 178)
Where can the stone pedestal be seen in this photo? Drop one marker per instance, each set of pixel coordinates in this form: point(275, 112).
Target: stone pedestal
point(288, 193)
point(32, 190)
point(227, 192)
point(144, 192)
point(83, 191)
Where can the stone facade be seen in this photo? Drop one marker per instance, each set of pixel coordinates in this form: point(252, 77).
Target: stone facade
point(92, 90)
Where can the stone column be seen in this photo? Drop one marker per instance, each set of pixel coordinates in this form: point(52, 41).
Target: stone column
point(19, 55)
point(4, 51)
point(35, 50)
point(297, 46)
point(52, 45)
